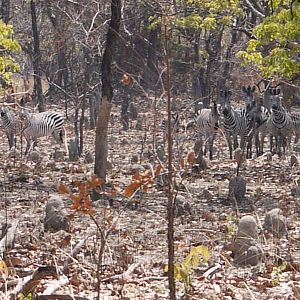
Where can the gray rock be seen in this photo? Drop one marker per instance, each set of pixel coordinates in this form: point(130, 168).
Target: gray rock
point(88, 158)
point(34, 156)
point(294, 161)
point(246, 248)
point(276, 223)
point(55, 219)
point(182, 207)
point(160, 151)
point(237, 189)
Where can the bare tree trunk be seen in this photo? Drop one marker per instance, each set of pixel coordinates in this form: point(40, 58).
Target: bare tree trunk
point(5, 11)
point(39, 97)
point(101, 145)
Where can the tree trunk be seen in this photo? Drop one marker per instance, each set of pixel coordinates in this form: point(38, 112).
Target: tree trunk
point(39, 97)
point(101, 145)
point(5, 11)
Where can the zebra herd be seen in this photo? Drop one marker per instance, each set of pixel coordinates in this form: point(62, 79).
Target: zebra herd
point(31, 125)
point(251, 123)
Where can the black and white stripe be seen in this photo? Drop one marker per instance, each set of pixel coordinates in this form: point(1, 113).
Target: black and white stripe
point(279, 123)
point(207, 123)
point(175, 123)
point(43, 124)
point(236, 123)
point(11, 124)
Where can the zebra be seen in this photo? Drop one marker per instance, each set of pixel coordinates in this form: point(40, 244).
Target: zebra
point(42, 124)
point(207, 122)
point(175, 123)
point(251, 110)
point(262, 115)
point(12, 125)
point(279, 123)
point(236, 123)
point(296, 125)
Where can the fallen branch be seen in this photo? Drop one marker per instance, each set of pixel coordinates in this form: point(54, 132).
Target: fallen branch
point(124, 277)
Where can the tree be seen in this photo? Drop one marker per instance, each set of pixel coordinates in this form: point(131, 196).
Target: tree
point(8, 45)
point(274, 47)
point(101, 144)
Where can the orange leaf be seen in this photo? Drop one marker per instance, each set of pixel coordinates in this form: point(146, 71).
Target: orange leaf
point(96, 181)
point(76, 201)
point(137, 177)
point(191, 158)
point(131, 189)
point(158, 170)
point(62, 189)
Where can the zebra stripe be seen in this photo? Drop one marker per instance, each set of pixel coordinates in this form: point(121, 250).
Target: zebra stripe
point(207, 123)
point(43, 124)
point(11, 124)
point(174, 123)
point(236, 123)
point(279, 123)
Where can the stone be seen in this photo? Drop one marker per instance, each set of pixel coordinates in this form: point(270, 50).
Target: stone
point(237, 189)
point(88, 158)
point(34, 156)
point(294, 161)
point(276, 223)
point(181, 206)
point(246, 247)
point(55, 219)
point(161, 154)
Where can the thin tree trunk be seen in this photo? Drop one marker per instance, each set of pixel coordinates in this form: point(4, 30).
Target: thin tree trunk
point(39, 97)
point(101, 144)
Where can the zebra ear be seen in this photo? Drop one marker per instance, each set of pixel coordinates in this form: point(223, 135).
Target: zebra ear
point(253, 89)
point(277, 91)
point(244, 89)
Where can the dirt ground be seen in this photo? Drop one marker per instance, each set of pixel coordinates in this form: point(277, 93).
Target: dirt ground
point(136, 243)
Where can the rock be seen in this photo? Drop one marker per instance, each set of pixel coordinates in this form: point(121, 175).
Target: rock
point(237, 189)
point(160, 152)
point(34, 156)
point(246, 248)
point(276, 223)
point(181, 206)
point(139, 124)
point(296, 147)
point(133, 113)
point(268, 156)
point(88, 158)
point(59, 155)
point(134, 159)
point(201, 162)
point(294, 161)
point(55, 219)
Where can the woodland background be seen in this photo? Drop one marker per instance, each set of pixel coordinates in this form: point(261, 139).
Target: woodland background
point(64, 54)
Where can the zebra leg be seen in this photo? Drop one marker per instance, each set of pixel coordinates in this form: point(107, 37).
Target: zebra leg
point(211, 145)
point(228, 139)
point(10, 138)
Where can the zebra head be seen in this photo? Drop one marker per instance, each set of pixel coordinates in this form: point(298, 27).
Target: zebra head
point(225, 99)
point(249, 97)
point(275, 99)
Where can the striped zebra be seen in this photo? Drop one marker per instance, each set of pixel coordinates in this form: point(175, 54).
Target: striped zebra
point(262, 115)
point(279, 123)
point(250, 103)
point(207, 123)
point(42, 124)
point(236, 123)
point(175, 123)
point(11, 124)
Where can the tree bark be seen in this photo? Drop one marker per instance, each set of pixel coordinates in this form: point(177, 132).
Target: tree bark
point(38, 91)
point(5, 11)
point(101, 144)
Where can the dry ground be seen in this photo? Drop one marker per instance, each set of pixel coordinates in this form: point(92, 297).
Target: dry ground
point(138, 237)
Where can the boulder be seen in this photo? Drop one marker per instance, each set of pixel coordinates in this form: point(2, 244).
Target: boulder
point(276, 223)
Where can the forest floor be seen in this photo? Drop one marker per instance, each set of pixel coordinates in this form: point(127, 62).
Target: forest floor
point(136, 245)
